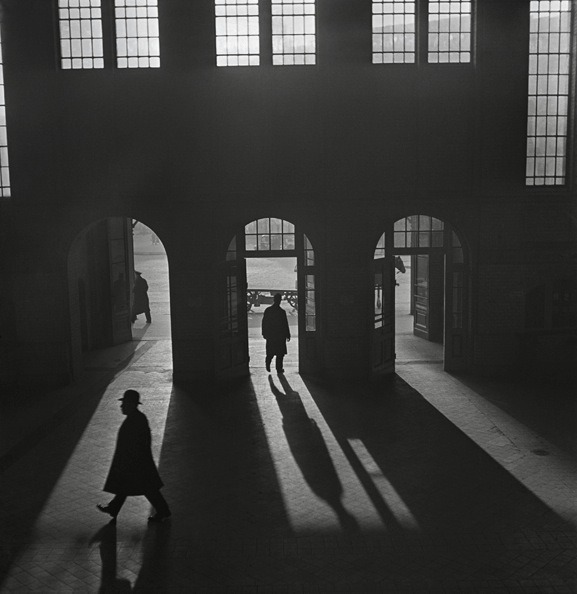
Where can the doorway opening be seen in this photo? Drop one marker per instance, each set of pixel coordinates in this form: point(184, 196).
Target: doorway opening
point(266, 277)
point(420, 297)
point(101, 278)
point(151, 262)
point(247, 283)
point(419, 318)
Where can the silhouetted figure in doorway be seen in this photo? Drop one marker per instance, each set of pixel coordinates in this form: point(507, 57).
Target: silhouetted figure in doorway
point(133, 471)
point(275, 330)
point(141, 303)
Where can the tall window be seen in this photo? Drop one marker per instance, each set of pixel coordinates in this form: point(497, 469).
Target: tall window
point(80, 34)
point(4, 172)
point(293, 32)
point(237, 33)
point(137, 41)
point(444, 37)
point(549, 68)
point(394, 32)
point(450, 31)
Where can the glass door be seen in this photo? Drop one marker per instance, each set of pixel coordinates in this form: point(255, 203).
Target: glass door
point(232, 343)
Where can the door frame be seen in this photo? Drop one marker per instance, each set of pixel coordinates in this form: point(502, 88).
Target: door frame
point(308, 359)
point(456, 295)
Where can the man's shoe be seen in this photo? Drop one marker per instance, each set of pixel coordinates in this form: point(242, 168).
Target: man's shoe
point(267, 365)
point(157, 518)
point(105, 509)
point(280, 370)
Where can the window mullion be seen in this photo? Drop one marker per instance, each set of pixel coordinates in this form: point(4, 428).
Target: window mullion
point(265, 23)
point(422, 36)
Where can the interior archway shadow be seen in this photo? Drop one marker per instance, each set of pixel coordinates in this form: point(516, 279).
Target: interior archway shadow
point(310, 452)
point(217, 467)
point(451, 486)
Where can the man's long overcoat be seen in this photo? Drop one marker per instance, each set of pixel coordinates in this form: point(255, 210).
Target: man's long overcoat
point(275, 330)
point(140, 291)
point(133, 471)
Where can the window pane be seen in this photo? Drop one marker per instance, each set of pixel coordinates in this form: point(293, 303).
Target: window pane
point(393, 32)
point(293, 32)
point(548, 93)
point(4, 173)
point(269, 234)
point(449, 32)
point(237, 32)
point(80, 35)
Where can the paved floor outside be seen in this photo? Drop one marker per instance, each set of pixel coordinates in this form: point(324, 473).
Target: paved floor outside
point(284, 484)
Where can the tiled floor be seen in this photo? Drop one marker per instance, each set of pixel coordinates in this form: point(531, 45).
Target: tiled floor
point(429, 483)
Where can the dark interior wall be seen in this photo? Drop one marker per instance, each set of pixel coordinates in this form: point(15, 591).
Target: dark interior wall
point(341, 148)
point(190, 131)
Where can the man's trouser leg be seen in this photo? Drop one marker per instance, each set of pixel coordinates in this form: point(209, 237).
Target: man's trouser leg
point(115, 505)
point(279, 366)
point(158, 502)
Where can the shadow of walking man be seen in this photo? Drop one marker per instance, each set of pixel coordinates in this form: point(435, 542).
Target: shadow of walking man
point(310, 452)
point(106, 536)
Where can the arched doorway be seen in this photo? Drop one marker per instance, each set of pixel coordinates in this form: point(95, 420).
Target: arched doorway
point(272, 238)
point(432, 253)
point(151, 261)
point(102, 261)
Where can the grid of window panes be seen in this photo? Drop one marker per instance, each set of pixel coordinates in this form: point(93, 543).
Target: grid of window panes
point(137, 39)
point(419, 231)
point(548, 96)
point(293, 32)
point(309, 252)
point(230, 322)
point(310, 289)
point(450, 27)
point(310, 303)
point(81, 43)
point(4, 171)
point(269, 234)
point(237, 33)
point(378, 300)
point(394, 32)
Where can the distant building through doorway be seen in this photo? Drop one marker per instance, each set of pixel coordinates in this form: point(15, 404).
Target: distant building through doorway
point(265, 277)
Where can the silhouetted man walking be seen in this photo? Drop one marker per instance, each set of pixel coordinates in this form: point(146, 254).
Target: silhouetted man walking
point(275, 330)
point(133, 471)
point(141, 302)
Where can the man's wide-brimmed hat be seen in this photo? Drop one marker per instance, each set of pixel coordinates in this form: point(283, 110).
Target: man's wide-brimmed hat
point(131, 396)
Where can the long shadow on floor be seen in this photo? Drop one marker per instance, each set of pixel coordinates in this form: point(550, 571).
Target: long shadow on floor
point(217, 467)
point(474, 521)
point(447, 481)
point(310, 452)
point(23, 499)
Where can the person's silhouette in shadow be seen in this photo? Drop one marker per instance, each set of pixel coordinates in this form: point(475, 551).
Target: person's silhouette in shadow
point(276, 332)
point(310, 452)
point(133, 470)
point(106, 536)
